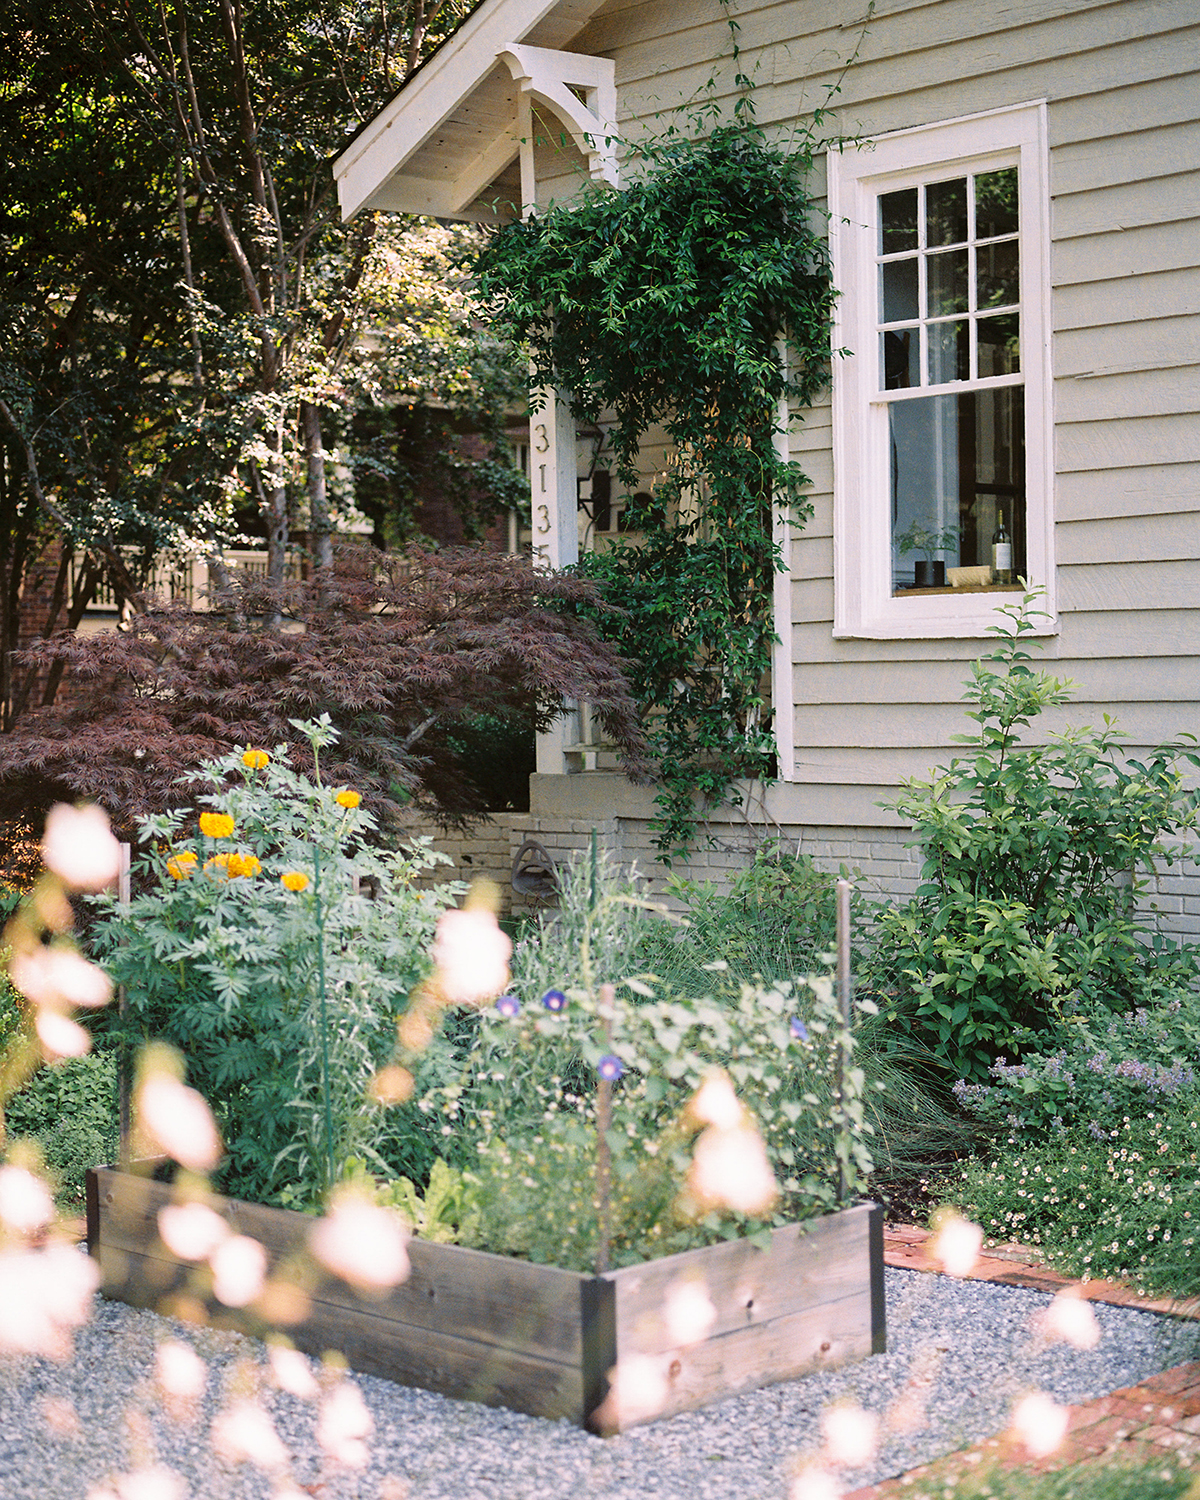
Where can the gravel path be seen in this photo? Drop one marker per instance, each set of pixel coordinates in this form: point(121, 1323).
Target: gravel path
point(959, 1353)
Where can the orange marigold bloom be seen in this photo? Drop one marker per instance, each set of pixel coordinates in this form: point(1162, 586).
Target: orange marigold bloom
point(244, 864)
point(346, 798)
point(255, 759)
point(180, 866)
point(294, 880)
point(218, 863)
point(216, 825)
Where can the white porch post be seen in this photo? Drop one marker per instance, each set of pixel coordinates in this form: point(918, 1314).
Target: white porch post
point(552, 480)
point(783, 697)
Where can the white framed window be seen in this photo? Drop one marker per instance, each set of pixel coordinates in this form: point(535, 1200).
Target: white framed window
point(941, 406)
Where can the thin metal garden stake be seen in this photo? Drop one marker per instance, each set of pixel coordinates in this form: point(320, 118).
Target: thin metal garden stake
point(324, 1014)
point(124, 1081)
point(843, 984)
point(608, 999)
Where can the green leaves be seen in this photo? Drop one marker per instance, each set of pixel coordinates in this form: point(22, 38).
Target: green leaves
point(1032, 854)
point(673, 302)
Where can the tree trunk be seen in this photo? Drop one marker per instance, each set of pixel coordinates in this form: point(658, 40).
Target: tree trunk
point(320, 530)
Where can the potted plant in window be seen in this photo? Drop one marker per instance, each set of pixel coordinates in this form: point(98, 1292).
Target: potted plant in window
point(922, 536)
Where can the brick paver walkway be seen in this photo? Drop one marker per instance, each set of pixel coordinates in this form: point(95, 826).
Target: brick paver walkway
point(1138, 1424)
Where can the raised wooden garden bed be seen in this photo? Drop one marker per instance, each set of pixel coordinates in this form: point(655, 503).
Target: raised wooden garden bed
point(535, 1338)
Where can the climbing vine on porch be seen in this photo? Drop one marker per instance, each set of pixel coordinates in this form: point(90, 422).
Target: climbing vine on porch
point(697, 298)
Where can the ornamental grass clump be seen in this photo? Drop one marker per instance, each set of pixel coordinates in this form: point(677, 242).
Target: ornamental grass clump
point(274, 944)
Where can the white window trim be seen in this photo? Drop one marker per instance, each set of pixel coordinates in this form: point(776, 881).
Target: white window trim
point(864, 605)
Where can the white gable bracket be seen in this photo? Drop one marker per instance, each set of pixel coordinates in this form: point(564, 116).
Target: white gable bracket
point(550, 77)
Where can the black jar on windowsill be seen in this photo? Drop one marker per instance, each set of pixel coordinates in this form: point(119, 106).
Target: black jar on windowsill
point(929, 575)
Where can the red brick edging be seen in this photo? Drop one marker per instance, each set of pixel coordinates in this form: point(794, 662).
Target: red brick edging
point(1160, 1416)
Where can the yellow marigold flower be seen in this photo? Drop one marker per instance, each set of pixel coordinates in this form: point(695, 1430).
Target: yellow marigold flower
point(255, 759)
point(294, 880)
point(216, 825)
point(243, 864)
point(180, 866)
point(218, 863)
point(347, 798)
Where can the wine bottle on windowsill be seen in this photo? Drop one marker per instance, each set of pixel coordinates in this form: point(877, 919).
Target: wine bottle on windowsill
point(1002, 560)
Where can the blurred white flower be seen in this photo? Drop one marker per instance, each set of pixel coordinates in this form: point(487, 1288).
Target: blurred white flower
point(689, 1313)
point(61, 1417)
point(244, 1433)
point(851, 1435)
point(470, 954)
point(1040, 1423)
point(292, 1372)
point(60, 1036)
point(179, 1370)
point(637, 1390)
point(343, 1424)
point(178, 1121)
point(814, 1484)
point(362, 1243)
point(59, 976)
point(1071, 1319)
point(151, 1484)
point(956, 1245)
point(192, 1231)
point(715, 1103)
point(239, 1268)
point(79, 847)
point(44, 1294)
point(26, 1204)
point(730, 1170)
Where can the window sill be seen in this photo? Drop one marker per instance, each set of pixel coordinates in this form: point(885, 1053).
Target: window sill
point(962, 588)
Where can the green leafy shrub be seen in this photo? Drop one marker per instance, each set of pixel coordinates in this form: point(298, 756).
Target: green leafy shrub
point(1122, 1204)
point(283, 1000)
point(71, 1110)
point(777, 919)
point(672, 301)
point(1029, 850)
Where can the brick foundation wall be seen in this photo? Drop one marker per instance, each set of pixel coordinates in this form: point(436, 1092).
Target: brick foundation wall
point(877, 859)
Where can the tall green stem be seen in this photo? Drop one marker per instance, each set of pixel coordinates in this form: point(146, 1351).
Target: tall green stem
point(324, 1016)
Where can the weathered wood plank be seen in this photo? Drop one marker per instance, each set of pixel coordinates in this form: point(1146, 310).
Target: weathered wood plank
point(1130, 393)
point(533, 1338)
point(490, 1298)
point(1172, 293)
point(446, 1361)
point(1127, 205)
point(807, 1267)
point(1128, 539)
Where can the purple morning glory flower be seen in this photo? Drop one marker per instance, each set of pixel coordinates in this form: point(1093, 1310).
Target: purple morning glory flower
point(554, 1000)
point(610, 1067)
point(798, 1029)
point(508, 1005)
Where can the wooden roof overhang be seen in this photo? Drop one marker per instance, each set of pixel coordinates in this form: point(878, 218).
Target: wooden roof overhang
point(456, 141)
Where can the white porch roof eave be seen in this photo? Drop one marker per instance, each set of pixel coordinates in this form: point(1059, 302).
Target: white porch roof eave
point(452, 129)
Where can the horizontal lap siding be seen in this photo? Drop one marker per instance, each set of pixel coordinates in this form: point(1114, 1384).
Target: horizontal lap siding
point(1121, 80)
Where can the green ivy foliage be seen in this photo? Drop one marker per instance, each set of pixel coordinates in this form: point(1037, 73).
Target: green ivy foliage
point(698, 298)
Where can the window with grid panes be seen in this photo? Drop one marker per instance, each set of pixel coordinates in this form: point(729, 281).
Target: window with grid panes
point(941, 453)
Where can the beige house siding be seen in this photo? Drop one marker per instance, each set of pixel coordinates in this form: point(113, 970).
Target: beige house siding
point(1121, 81)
